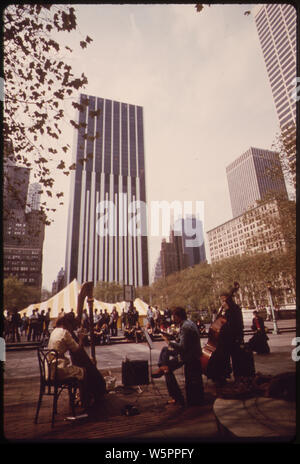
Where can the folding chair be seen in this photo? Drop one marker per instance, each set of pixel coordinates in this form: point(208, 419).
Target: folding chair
point(50, 385)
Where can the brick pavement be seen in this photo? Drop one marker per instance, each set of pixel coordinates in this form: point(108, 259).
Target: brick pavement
point(21, 398)
point(156, 421)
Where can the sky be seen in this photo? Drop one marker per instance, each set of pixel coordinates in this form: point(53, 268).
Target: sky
point(203, 85)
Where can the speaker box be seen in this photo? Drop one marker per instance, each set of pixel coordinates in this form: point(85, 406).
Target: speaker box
point(135, 373)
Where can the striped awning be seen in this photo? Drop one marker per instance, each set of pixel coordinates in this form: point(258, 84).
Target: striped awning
point(67, 299)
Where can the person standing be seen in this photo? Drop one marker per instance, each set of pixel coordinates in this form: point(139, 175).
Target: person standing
point(33, 323)
point(25, 323)
point(16, 324)
point(186, 351)
point(135, 317)
point(150, 317)
point(40, 325)
point(156, 317)
point(123, 319)
point(113, 322)
point(230, 338)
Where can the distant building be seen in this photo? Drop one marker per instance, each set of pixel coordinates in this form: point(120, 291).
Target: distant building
point(185, 247)
point(158, 269)
point(235, 237)
point(59, 283)
point(34, 196)
point(169, 257)
point(15, 187)
point(253, 176)
point(276, 26)
point(23, 233)
point(23, 247)
point(191, 230)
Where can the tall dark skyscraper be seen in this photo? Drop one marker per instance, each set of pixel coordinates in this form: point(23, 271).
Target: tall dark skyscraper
point(105, 186)
point(191, 230)
point(184, 249)
point(253, 176)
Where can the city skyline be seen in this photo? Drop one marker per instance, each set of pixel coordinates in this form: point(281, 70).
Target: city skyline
point(205, 93)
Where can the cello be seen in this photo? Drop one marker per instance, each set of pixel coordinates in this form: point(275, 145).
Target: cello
point(214, 333)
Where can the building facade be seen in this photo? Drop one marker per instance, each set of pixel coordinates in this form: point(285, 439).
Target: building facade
point(157, 269)
point(58, 284)
point(191, 230)
point(104, 242)
point(15, 187)
point(239, 236)
point(276, 26)
point(34, 196)
point(252, 176)
point(185, 247)
point(23, 235)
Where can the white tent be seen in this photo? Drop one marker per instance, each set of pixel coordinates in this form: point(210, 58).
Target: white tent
point(67, 299)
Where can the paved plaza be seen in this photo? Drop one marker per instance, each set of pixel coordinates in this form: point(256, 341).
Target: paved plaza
point(221, 418)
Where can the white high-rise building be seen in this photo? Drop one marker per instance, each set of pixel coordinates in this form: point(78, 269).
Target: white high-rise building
point(276, 26)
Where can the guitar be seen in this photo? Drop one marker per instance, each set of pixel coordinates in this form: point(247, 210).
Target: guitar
point(169, 336)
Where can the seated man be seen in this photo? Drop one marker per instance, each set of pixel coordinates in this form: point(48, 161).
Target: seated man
point(102, 334)
point(187, 352)
point(138, 333)
point(91, 383)
point(259, 341)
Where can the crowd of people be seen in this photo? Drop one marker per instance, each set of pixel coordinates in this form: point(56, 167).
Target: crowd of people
point(34, 327)
point(181, 334)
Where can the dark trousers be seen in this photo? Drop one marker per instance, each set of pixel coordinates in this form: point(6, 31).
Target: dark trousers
point(193, 383)
point(15, 333)
point(193, 378)
point(32, 331)
point(114, 329)
point(169, 358)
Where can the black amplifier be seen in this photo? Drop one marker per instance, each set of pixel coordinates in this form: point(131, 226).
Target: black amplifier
point(135, 373)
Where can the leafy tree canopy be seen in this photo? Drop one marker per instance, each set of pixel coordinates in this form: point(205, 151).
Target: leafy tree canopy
point(38, 81)
point(17, 296)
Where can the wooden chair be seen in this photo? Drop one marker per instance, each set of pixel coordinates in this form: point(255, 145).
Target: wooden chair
point(50, 385)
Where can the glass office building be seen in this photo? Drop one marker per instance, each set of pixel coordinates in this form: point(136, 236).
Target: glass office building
point(276, 25)
point(190, 229)
point(253, 176)
point(107, 236)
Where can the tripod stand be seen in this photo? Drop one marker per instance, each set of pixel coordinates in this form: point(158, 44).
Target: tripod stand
point(150, 345)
